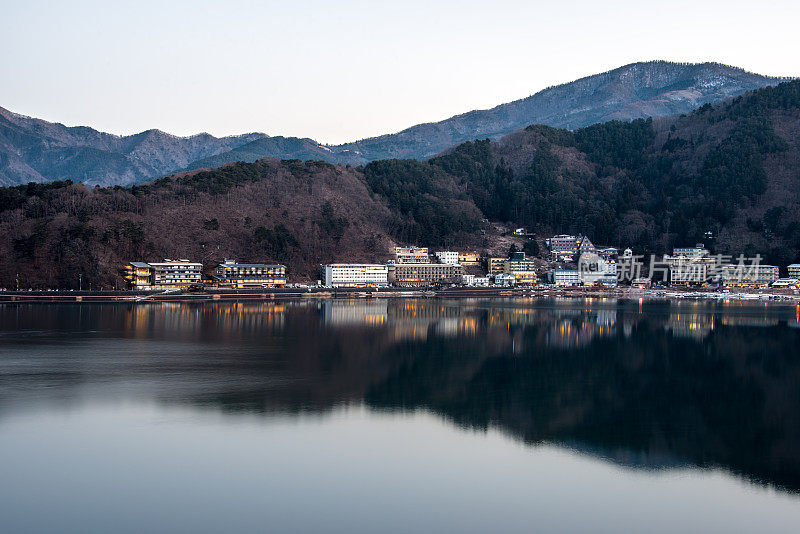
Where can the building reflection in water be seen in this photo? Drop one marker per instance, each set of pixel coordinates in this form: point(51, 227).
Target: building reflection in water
point(417, 319)
point(223, 319)
point(564, 325)
point(665, 383)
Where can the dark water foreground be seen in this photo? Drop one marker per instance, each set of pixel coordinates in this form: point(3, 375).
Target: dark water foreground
point(470, 415)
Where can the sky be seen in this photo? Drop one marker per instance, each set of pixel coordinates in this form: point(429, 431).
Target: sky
point(346, 70)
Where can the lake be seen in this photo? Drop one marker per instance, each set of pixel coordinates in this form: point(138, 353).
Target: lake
point(400, 415)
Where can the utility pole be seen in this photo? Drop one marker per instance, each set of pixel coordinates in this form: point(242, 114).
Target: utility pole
point(80, 282)
point(17, 281)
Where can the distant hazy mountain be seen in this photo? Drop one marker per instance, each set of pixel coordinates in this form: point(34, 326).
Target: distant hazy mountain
point(36, 150)
point(276, 147)
point(33, 150)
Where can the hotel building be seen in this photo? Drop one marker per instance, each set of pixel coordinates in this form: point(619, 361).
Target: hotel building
point(595, 270)
point(504, 280)
point(683, 270)
point(565, 277)
point(523, 269)
point(411, 255)
point(424, 274)
point(567, 247)
point(169, 274)
point(469, 258)
point(794, 270)
point(691, 265)
point(496, 265)
point(355, 275)
point(138, 275)
point(249, 275)
point(749, 275)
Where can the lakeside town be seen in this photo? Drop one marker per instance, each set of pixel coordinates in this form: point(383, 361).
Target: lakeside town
point(570, 261)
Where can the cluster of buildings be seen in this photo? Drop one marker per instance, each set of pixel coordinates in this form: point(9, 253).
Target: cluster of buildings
point(687, 266)
point(572, 261)
point(583, 263)
point(693, 266)
point(417, 267)
point(183, 274)
point(411, 267)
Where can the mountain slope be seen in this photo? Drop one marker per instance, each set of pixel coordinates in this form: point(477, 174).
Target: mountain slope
point(299, 213)
point(634, 91)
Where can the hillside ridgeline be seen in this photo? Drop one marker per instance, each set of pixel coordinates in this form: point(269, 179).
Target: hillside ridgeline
point(732, 169)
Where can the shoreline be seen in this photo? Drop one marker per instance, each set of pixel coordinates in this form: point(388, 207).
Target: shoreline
point(136, 297)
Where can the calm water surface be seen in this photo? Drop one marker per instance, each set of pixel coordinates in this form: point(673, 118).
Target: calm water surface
point(400, 416)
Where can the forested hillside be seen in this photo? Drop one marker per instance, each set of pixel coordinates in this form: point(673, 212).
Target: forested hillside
point(732, 170)
point(298, 213)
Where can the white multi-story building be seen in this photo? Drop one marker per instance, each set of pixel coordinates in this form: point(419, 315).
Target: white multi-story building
point(691, 270)
point(481, 281)
point(565, 277)
point(355, 275)
point(447, 256)
point(794, 270)
point(595, 270)
point(691, 265)
point(504, 279)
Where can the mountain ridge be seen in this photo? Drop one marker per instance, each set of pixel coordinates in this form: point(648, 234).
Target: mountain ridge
point(33, 149)
point(730, 169)
point(36, 150)
point(684, 86)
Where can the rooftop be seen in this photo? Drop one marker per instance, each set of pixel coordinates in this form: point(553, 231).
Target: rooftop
point(251, 265)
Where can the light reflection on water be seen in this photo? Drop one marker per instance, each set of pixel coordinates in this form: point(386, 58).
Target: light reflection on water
point(478, 414)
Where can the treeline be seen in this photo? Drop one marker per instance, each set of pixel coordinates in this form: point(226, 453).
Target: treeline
point(428, 205)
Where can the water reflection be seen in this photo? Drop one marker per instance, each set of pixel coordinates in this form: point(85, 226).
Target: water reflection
point(651, 386)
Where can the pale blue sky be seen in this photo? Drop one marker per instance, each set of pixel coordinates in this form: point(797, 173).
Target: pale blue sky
point(340, 71)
